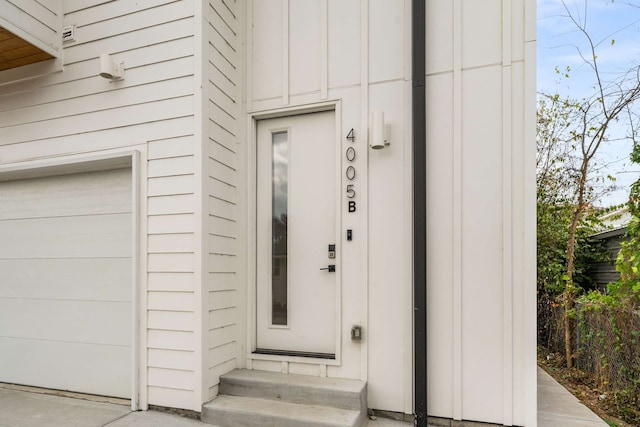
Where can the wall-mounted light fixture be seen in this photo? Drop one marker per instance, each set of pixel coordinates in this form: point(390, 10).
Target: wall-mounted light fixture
point(109, 69)
point(378, 131)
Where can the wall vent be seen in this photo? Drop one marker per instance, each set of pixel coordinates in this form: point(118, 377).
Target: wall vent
point(69, 34)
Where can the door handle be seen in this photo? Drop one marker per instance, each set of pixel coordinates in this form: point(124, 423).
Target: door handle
point(331, 268)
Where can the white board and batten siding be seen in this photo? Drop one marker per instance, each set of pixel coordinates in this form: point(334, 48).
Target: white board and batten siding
point(480, 192)
point(224, 53)
point(355, 52)
point(480, 88)
point(76, 113)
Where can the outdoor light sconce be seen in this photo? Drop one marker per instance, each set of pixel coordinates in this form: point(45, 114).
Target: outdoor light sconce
point(109, 69)
point(378, 131)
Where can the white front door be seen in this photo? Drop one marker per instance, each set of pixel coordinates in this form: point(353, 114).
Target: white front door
point(297, 276)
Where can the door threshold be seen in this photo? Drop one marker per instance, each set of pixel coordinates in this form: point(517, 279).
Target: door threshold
point(328, 356)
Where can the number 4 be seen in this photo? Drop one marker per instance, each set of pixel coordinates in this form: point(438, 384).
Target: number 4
point(351, 135)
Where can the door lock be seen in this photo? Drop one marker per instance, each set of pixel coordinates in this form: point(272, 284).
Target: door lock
point(331, 268)
point(332, 251)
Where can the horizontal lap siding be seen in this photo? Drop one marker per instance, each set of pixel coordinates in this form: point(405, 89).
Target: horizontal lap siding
point(223, 54)
point(59, 113)
point(40, 20)
point(171, 259)
point(152, 109)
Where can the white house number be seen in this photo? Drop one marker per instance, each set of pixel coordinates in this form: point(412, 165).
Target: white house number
point(351, 172)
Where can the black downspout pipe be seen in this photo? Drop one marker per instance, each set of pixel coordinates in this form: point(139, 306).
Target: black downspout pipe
point(419, 137)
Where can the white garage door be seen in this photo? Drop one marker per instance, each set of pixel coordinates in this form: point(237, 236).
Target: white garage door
point(65, 282)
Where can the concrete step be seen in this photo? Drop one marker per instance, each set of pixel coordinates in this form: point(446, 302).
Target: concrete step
point(303, 389)
point(235, 411)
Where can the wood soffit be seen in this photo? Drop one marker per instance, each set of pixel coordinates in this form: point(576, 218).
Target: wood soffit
point(15, 52)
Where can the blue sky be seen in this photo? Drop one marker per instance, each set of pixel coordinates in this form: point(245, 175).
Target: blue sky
point(558, 39)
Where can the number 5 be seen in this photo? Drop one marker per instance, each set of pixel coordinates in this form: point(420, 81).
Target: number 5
point(351, 193)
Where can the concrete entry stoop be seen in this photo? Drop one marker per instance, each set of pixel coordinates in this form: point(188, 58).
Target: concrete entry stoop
point(259, 399)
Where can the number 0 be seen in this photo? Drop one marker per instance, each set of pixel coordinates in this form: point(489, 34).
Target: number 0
point(351, 173)
point(351, 154)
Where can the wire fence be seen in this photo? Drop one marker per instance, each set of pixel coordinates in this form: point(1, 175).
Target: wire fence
point(608, 344)
point(550, 324)
point(607, 339)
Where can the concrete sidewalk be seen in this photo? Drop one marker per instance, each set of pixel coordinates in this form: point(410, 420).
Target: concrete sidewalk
point(28, 409)
point(556, 408)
